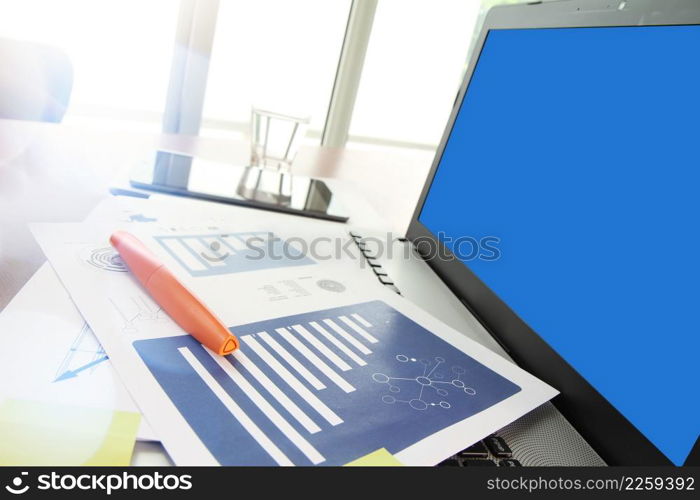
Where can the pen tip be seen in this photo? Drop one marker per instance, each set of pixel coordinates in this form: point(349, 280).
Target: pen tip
point(229, 346)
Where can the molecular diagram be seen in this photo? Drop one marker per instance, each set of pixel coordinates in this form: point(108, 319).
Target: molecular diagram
point(430, 382)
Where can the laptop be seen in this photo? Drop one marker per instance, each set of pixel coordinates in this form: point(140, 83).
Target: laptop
point(558, 227)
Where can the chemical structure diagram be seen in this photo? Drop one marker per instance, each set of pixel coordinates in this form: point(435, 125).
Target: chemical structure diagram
point(430, 382)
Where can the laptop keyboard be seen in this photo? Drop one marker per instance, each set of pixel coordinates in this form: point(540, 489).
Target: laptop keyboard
point(491, 451)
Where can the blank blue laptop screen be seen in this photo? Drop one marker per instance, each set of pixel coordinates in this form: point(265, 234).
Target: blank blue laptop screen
point(579, 149)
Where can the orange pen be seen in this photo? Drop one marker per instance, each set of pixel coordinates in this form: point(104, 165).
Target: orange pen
point(172, 296)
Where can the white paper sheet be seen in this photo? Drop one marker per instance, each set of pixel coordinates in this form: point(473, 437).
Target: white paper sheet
point(332, 343)
point(49, 353)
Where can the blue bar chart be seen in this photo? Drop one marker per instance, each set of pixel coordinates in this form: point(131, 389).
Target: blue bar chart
point(216, 254)
point(322, 388)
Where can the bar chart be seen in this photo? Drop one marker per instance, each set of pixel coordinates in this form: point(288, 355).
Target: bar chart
point(322, 388)
point(215, 254)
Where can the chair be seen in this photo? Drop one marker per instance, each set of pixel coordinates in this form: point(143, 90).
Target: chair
point(35, 81)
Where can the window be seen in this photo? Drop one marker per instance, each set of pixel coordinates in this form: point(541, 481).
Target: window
point(415, 64)
point(120, 52)
point(413, 69)
point(275, 54)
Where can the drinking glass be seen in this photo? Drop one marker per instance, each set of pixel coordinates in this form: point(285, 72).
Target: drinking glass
point(275, 139)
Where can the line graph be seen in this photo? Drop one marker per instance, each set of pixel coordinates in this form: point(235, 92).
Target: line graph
point(136, 311)
point(83, 355)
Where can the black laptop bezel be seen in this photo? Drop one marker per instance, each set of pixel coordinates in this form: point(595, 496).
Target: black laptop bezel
point(614, 437)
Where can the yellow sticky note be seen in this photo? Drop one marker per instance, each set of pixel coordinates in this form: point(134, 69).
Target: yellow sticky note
point(37, 433)
point(379, 458)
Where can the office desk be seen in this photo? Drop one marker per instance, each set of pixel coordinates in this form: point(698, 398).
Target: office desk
point(58, 173)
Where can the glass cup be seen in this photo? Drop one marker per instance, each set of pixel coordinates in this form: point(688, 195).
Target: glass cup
point(275, 139)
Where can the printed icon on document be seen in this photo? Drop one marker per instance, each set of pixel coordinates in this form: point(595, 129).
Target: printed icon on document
point(331, 285)
point(17, 488)
point(215, 246)
point(141, 218)
point(105, 258)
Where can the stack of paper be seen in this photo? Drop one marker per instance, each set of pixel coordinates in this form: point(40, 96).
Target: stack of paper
point(333, 369)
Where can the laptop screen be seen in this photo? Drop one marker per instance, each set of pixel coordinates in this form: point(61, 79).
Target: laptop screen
point(574, 163)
